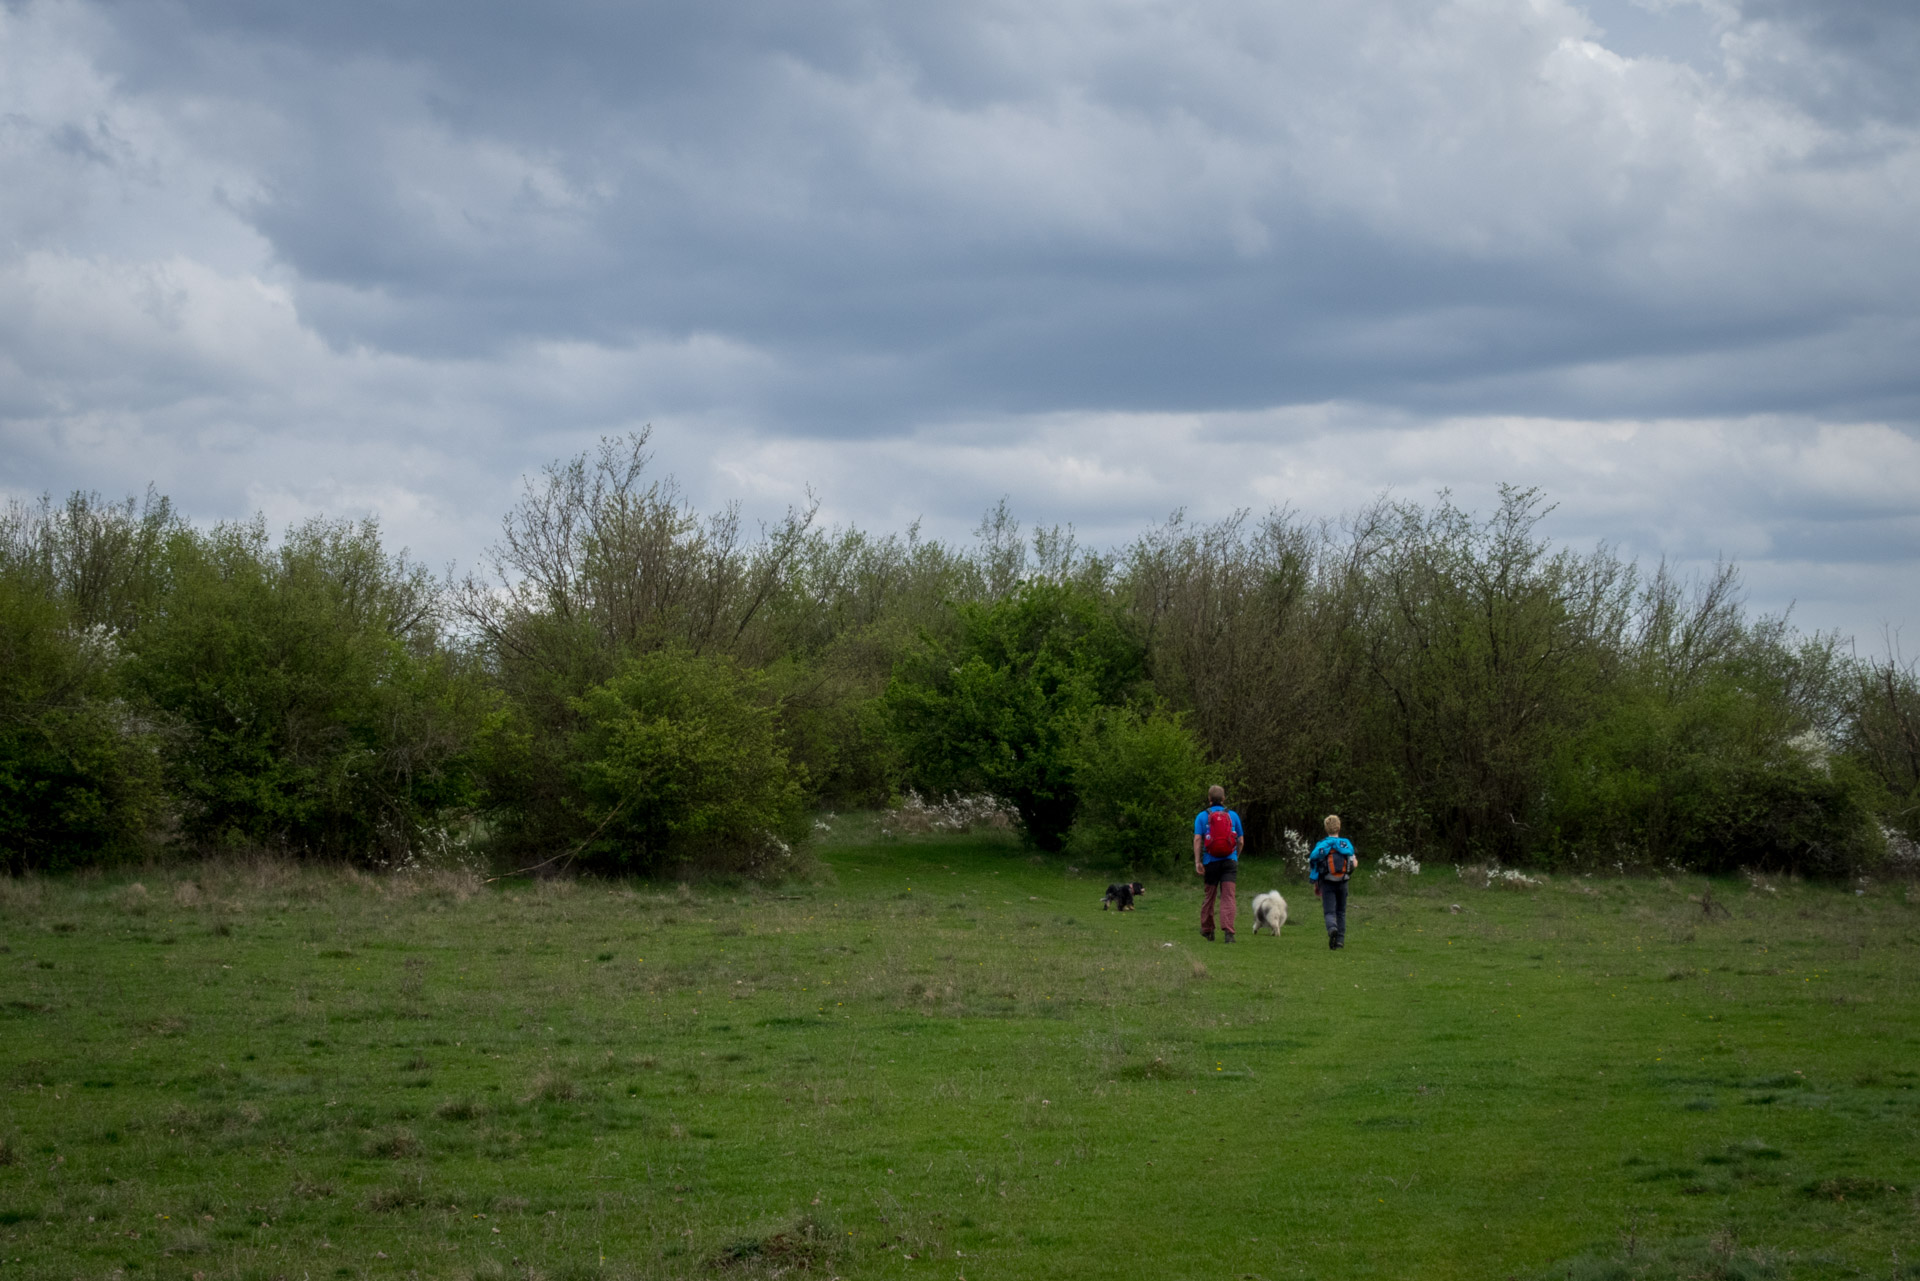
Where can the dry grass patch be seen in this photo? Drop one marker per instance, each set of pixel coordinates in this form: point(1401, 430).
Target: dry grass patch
point(21, 894)
point(461, 1109)
point(550, 1086)
point(805, 1245)
point(395, 1145)
point(401, 1197)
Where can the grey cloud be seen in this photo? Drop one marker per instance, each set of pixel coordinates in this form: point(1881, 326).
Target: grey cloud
point(1846, 59)
point(450, 240)
point(1003, 209)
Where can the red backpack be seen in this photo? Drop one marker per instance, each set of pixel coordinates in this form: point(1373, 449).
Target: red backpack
point(1220, 839)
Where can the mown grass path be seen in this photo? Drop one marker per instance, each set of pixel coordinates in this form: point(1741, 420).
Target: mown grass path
point(944, 1060)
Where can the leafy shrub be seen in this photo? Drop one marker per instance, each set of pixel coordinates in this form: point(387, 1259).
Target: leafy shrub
point(1141, 777)
point(1712, 779)
point(838, 732)
point(679, 759)
point(1002, 707)
point(316, 712)
point(79, 771)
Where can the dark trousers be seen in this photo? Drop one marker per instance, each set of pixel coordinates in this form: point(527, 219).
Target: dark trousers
point(1219, 886)
point(1333, 905)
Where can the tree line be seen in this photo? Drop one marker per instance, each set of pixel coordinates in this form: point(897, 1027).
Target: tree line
point(626, 684)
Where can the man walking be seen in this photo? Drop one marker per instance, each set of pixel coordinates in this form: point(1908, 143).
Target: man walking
point(1218, 839)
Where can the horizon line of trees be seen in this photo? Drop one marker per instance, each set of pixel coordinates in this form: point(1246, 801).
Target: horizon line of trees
point(629, 685)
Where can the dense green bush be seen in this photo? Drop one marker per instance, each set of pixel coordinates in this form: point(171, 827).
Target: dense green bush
point(1001, 708)
point(838, 735)
point(79, 766)
point(315, 712)
point(1141, 777)
point(679, 760)
point(1711, 781)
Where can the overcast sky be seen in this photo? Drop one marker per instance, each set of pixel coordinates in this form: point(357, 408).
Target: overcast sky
point(1659, 257)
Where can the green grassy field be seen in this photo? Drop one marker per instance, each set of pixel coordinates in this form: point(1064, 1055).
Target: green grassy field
point(940, 1059)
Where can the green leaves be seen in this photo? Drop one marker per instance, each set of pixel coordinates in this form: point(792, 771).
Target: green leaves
point(679, 759)
point(313, 707)
point(1002, 708)
point(79, 775)
point(1141, 776)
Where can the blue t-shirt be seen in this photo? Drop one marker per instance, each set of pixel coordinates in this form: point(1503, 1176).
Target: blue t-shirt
point(1200, 830)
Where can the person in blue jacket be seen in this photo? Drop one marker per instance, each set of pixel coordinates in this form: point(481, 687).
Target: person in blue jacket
point(1330, 868)
point(1218, 839)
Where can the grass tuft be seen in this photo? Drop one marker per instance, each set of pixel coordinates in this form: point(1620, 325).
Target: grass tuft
point(394, 1145)
point(405, 1196)
point(803, 1246)
point(1154, 1069)
point(1847, 1189)
point(550, 1086)
point(460, 1109)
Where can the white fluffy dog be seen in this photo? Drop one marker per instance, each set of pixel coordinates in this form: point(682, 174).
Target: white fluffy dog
point(1270, 910)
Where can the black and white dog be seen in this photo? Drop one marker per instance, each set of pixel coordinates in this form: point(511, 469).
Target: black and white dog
point(1269, 911)
point(1121, 896)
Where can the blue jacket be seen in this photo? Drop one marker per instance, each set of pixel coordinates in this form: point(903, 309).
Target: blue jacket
point(1317, 862)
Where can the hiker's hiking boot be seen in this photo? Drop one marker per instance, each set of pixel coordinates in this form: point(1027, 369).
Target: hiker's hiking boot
point(1229, 937)
point(1333, 942)
point(1207, 935)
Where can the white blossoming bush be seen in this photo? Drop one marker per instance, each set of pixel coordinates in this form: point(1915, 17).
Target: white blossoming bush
point(914, 816)
point(1497, 877)
point(1298, 851)
point(1903, 854)
point(1400, 863)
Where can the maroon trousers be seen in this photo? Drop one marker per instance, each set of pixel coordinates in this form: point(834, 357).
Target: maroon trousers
point(1219, 886)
